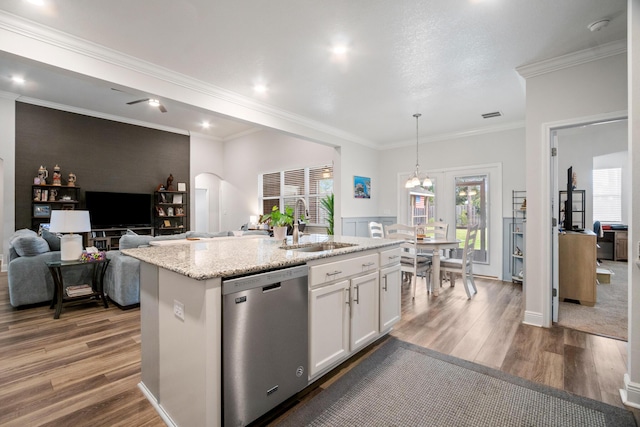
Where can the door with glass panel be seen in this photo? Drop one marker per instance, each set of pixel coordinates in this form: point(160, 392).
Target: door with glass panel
point(471, 207)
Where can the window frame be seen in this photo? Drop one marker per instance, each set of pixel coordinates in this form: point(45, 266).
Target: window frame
point(312, 177)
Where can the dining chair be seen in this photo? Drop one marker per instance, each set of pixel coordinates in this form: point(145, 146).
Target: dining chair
point(375, 230)
point(436, 229)
point(411, 263)
point(463, 266)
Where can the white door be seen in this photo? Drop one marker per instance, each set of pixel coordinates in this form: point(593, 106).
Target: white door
point(555, 291)
point(365, 310)
point(445, 201)
point(390, 307)
point(328, 326)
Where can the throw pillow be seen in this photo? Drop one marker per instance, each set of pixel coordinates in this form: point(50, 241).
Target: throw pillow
point(52, 239)
point(129, 241)
point(30, 245)
point(21, 233)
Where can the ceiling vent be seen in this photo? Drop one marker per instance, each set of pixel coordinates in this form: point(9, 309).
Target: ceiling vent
point(491, 115)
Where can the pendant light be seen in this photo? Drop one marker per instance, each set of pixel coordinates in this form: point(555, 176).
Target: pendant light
point(415, 180)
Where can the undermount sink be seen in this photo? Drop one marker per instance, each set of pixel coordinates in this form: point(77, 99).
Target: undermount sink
point(318, 247)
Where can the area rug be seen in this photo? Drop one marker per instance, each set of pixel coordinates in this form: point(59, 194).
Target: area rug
point(609, 316)
point(401, 384)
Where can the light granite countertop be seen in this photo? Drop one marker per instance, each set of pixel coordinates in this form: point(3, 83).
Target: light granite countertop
point(234, 256)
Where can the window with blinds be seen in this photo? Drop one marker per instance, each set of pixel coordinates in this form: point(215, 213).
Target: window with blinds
point(284, 188)
point(607, 195)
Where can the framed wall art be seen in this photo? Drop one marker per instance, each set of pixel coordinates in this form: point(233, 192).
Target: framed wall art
point(361, 187)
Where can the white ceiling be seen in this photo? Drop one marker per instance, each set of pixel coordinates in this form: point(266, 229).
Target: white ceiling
point(451, 60)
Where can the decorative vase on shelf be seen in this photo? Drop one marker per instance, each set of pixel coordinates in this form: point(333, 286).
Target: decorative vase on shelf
point(280, 233)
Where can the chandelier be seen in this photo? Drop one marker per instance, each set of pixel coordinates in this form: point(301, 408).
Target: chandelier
point(415, 180)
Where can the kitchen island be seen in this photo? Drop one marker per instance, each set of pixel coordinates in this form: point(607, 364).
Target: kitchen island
point(181, 306)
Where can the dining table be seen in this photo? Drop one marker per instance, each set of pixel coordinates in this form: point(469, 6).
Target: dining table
point(435, 245)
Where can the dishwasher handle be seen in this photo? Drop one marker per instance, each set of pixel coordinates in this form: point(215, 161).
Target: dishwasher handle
point(271, 288)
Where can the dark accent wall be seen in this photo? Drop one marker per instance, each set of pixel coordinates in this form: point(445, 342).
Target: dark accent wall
point(103, 154)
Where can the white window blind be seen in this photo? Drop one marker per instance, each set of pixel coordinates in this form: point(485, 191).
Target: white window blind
point(607, 195)
point(284, 188)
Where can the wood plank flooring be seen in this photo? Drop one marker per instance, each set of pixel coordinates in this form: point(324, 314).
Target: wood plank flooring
point(83, 369)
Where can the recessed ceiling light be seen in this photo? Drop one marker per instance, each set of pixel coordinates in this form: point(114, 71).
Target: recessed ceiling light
point(206, 125)
point(154, 102)
point(17, 79)
point(340, 49)
point(260, 88)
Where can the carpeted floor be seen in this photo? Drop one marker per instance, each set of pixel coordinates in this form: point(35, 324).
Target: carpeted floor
point(401, 384)
point(609, 316)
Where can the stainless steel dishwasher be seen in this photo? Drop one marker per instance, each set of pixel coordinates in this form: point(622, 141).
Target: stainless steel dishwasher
point(264, 342)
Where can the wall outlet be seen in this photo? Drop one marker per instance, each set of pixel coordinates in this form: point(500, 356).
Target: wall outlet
point(178, 309)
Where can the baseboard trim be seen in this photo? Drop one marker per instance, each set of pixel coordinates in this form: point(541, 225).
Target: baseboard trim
point(151, 398)
point(532, 318)
point(630, 394)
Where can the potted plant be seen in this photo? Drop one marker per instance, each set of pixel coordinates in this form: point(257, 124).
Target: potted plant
point(327, 205)
point(279, 221)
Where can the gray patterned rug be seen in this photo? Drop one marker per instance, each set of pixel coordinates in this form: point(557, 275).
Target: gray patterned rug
point(401, 384)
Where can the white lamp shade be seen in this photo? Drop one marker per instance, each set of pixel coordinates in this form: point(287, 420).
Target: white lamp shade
point(70, 221)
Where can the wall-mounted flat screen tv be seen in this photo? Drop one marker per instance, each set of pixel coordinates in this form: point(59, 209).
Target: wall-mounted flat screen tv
point(119, 210)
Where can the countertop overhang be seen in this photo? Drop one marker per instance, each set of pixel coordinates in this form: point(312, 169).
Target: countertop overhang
point(235, 256)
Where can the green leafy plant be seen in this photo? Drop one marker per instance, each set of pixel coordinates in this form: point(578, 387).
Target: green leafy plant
point(327, 206)
point(275, 218)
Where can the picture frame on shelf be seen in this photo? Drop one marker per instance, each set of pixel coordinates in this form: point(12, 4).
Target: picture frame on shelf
point(167, 223)
point(41, 211)
point(177, 199)
point(182, 186)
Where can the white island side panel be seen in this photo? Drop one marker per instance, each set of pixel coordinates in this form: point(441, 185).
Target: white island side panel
point(189, 350)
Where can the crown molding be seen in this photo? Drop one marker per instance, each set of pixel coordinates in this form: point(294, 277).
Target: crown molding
point(243, 133)
point(520, 124)
point(98, 115)
point(572, 59)
point(53, 37)
point(9, 95)
point(205, 136)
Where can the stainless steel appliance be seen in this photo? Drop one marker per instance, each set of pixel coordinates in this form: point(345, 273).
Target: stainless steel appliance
point(264, 342)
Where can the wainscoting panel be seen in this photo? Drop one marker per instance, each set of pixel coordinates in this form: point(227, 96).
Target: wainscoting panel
point(359, 226)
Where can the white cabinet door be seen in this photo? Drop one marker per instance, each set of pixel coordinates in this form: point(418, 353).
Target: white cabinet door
point(390, 280)
point(328, 326)
point(365, 310)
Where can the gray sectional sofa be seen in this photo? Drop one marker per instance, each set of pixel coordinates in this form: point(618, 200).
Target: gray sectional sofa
point(30, 281)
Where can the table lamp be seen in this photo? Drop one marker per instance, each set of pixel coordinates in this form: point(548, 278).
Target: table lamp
point(70, 222)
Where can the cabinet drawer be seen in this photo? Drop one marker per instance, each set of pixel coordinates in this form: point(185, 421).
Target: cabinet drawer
point(332, 271)
point(391, 256)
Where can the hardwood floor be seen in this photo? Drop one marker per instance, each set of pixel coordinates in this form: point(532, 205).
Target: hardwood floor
point(83, 369)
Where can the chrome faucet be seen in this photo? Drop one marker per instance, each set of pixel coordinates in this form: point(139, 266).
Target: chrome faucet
point(296, 232)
